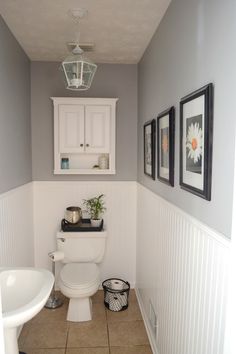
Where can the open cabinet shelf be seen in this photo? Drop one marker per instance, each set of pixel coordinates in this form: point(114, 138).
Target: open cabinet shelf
point(84, 172)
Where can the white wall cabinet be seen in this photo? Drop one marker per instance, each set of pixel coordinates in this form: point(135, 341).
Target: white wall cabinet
point(84, 129)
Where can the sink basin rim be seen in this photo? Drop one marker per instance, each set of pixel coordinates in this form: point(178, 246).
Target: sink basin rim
point(24, 313)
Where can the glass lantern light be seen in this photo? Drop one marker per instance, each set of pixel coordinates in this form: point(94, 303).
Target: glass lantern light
point(79, 70)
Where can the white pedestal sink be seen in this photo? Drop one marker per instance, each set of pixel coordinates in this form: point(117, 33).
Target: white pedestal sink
point(24, 293)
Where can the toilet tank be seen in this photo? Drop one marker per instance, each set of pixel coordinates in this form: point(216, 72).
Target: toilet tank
point(82, 246)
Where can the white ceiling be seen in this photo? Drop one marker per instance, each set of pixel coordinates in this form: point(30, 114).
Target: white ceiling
point(120, 29)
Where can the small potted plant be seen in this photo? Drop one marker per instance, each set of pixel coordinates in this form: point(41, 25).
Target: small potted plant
point(95, 207)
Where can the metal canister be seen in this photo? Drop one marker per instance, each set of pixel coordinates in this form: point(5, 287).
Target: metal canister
point(73, 214)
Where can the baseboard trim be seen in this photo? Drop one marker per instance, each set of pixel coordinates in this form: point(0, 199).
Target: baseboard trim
point(146, 323)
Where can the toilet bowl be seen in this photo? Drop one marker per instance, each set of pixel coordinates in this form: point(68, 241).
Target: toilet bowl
point(78, 282)
point(79, 278)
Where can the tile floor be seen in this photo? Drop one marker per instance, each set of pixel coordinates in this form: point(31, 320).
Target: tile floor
point(108, 333)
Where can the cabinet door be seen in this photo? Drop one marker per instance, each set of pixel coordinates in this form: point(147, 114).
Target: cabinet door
point(97, 128)
point(71, 128)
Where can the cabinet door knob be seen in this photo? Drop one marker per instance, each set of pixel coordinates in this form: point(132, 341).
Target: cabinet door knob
point(87, 145)
point(81, 145)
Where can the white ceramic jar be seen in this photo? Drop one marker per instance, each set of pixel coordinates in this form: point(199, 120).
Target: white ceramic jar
point(103, 162)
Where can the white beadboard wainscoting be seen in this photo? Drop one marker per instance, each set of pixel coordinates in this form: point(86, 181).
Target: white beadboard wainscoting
point(180, 266)
point(182, 271)
point(50, 202)
point(16, 227)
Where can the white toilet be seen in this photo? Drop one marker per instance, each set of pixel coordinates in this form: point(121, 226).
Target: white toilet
point(79, 277)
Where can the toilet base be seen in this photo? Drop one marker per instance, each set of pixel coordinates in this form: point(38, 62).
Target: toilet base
point(80, 309)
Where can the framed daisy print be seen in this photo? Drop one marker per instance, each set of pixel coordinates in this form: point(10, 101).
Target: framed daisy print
point(196, 132)
point(149, 131)
point(166, 146)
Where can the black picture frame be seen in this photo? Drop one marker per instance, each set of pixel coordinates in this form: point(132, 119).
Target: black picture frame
point(166, 146)
point(196, 140)
point(149, 144)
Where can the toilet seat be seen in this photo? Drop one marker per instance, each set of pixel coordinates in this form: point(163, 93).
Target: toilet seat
point(79, 276)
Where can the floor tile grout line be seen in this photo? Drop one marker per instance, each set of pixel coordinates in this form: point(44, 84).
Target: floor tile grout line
point(109, 346)
point(108, 336)
point(43, 347)
point(67, 336)
point(80, 348)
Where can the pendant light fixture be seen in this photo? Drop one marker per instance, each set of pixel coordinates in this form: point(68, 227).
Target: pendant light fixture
point(78, 70)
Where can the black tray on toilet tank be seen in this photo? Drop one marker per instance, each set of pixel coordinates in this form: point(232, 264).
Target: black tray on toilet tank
point(83, 226)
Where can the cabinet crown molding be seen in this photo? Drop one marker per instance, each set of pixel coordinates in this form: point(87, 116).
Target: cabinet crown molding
point(83, 100)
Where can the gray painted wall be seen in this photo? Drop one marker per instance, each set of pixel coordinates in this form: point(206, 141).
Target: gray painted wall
point(15, 132)
point(194, 45)
point(110, 81)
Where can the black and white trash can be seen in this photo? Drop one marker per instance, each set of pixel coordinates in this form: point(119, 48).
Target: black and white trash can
point(116, 294)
